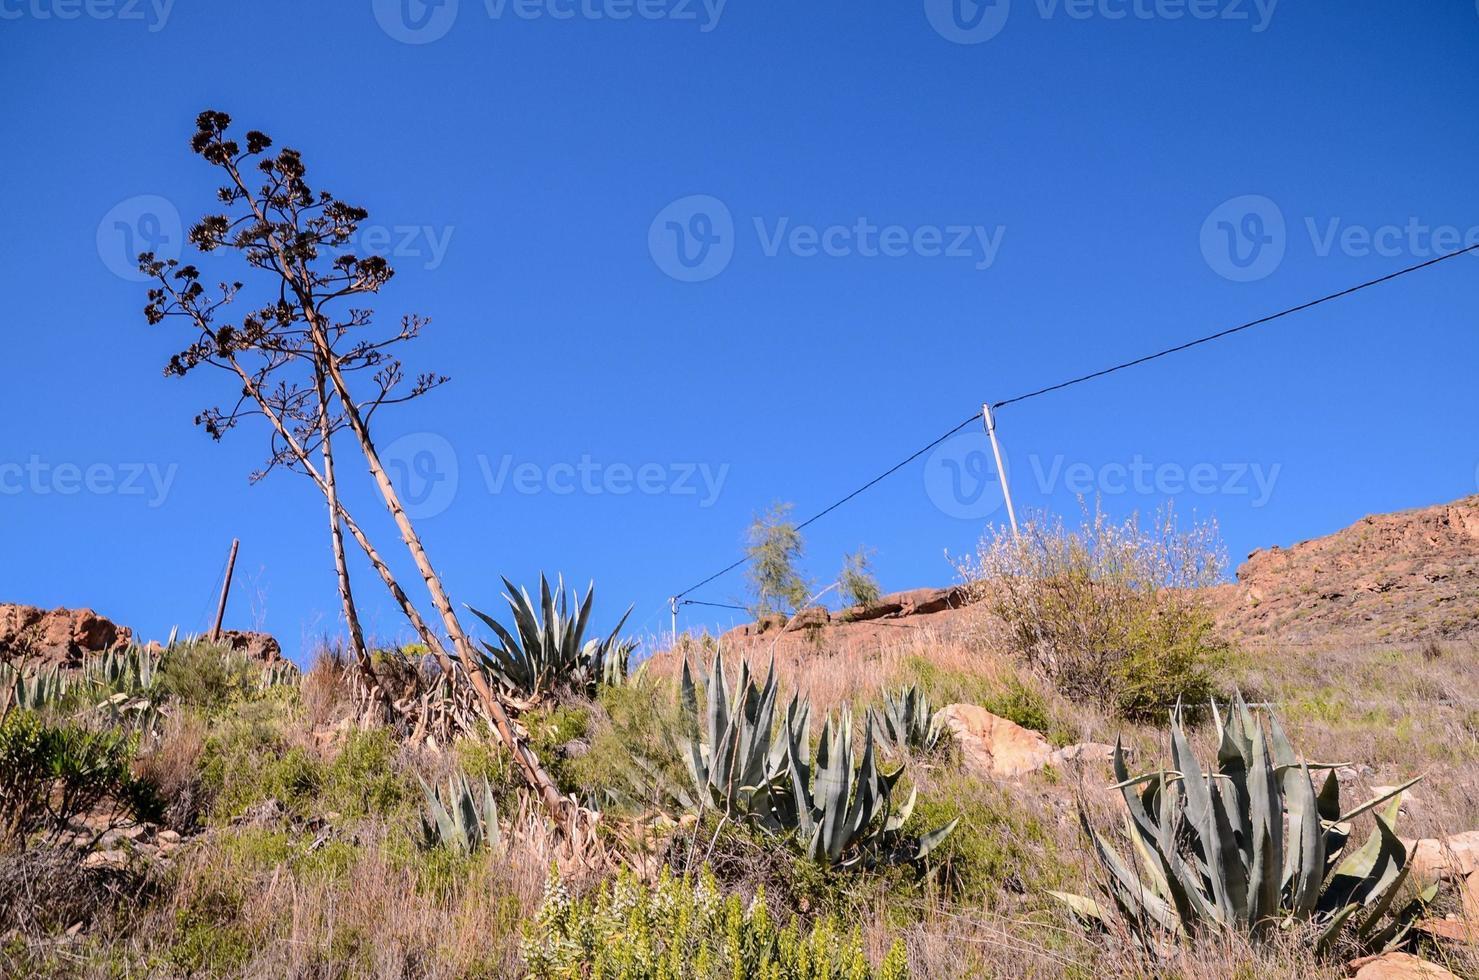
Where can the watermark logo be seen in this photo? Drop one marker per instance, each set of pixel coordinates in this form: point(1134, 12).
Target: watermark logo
point(705, 13)
point(692, 239)
point(590, 477)
point(423, 466)
point(144, 223)
point(416, 21)
point(1142, 477)
point(153, 13)
point(1245, 239)
point(960, 477)
point(424, 244)
point(424, 21)
point(968, 21)
point(37, 477)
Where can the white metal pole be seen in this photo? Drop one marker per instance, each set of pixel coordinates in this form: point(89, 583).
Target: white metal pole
point(673, 603)
point(1001, 470)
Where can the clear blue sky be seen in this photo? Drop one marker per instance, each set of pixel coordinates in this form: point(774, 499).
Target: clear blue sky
point(532, 172)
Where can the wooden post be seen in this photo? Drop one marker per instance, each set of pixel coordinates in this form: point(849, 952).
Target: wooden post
point(225, 591)
point(1001, 471)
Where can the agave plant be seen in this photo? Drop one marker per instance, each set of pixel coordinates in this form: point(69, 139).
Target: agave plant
point(845, 817)
point(611, 661)
point(281, 673)
point(458, 819)
point(131, 671)
point(906, 723)
point(549, 653)
point(1251, 847)
point(736, 760)
point(34, 689)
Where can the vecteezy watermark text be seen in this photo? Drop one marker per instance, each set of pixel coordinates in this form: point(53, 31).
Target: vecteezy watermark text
point(593, 478)
point(427, 472)
point(978, 21)
point(1247, 238)
point(154, 14)
point(960, 478)
point(424, 244)
point(40, 478)
point(695, 238)
point(424, 21)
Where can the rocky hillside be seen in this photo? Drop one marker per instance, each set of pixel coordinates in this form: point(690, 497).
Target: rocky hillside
point(1390, 578)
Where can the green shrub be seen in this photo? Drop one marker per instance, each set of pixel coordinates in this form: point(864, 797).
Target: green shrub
point(998, 847)
point(364, 780)
point(248, 769)
point(1108, 612)
point(204, 675)
point(55, 774)
point(678, 931)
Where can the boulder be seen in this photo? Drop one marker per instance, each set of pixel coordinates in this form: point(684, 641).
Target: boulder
point(991, 746)
point(61, 636)
point(1434, 858)
point(258, 646)
point(1397, 966)
point(810, 617)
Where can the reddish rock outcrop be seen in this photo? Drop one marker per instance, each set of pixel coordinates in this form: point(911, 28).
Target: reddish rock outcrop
point(1390, 578)
point(61, 636)
point(258, 646)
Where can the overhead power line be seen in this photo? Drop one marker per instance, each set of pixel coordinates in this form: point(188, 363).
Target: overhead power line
point(1238, 329)
point(1302, 307)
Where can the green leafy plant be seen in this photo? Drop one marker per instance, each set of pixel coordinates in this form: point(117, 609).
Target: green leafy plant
point(54, 774)
point(550, 653)
point(773, 549)
point(460, 819)
point(680, 930)
point(1251, 847)
point(906, 722)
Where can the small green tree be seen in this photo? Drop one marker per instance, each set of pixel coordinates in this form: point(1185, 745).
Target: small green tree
point(859, 585)
point(774, 547)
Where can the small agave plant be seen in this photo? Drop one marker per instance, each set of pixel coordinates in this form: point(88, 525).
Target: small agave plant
point(749, 768)
point(733, 755)
point(1251, 847)
point(459, 819)
point(550, 652)
point(906, 723)
point(845, 817)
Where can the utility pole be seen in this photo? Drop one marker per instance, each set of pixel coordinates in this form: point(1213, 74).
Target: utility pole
point(1001, 471)
point(225, 591)
point(673, 604)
